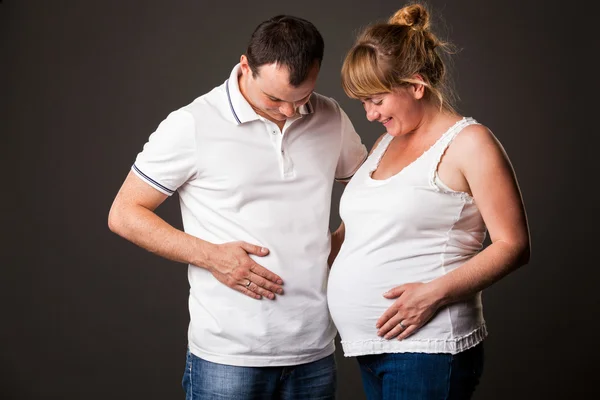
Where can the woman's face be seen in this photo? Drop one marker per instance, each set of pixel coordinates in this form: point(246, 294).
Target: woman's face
point(399, 112)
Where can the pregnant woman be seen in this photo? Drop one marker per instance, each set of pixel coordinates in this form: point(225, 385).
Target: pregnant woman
point(405, 288)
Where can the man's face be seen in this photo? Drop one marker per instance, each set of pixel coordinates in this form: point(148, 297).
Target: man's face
point(270, 93)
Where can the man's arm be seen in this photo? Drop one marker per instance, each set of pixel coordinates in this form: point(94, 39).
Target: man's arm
point(132, 216)
point(337, 238)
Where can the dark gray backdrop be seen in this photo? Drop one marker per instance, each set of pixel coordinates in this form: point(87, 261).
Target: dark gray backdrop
point(85, 314)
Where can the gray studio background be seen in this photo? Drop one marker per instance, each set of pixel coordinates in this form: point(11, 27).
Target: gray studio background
point(85, 314)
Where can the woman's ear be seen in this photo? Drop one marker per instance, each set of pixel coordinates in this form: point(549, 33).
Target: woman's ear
point(418, 86)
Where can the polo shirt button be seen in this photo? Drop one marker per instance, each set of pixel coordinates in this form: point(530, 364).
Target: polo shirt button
point(273, 132)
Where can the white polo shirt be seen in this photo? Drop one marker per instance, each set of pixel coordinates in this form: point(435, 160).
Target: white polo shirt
point(240, 178)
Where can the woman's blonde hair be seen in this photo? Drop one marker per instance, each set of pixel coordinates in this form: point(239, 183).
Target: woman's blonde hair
point(389, 55)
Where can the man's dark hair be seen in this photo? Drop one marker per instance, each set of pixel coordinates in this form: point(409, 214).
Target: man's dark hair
point(290, 41)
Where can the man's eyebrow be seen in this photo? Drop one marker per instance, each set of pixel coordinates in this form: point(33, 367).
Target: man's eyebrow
point(273, 97)
point(278, 99)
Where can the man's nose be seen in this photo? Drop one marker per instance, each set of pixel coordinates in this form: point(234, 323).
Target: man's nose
point(288, 109)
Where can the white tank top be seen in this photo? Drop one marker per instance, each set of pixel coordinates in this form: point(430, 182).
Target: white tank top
point(407, 228)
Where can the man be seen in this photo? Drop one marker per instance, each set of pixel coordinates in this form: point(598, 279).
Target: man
point(254, 162)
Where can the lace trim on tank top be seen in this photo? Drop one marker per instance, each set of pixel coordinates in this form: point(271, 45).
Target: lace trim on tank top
point(377, 155)
point(387, 139)
point(444, 142)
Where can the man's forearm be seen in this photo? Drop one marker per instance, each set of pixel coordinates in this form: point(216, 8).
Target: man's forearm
point(337, 238)
point(147, 230)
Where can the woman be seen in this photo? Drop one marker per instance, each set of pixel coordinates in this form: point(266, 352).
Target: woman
point(405, 289)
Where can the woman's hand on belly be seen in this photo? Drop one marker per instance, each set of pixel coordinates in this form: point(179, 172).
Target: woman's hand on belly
point(415, 304)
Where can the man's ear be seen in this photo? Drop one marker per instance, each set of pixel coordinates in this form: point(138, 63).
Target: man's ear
point(245, 67)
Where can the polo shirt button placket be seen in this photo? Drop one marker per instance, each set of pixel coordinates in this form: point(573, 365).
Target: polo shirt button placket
point(286, 164)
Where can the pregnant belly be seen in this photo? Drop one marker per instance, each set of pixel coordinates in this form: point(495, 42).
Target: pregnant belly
point(355, 299)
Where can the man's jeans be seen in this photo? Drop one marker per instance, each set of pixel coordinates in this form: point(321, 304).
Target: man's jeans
point(422, 376)
point(204, 380)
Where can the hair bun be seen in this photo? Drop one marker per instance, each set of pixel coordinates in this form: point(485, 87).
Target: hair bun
point(414, 15)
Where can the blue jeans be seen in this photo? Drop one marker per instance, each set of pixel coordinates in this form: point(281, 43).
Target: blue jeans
point(204, 380)
point(421, 376)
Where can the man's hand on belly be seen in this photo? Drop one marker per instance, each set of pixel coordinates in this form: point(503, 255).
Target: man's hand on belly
point(231, 265)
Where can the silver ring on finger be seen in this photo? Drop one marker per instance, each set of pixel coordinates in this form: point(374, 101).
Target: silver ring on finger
point(402, 325)
point(248, 284)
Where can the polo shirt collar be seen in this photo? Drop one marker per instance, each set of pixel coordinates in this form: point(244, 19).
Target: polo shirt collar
point(240, 108)
point(307, 108)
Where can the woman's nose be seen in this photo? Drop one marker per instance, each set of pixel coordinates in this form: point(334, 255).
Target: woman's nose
point(372, 114)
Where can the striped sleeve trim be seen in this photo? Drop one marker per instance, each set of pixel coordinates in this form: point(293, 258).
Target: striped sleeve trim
point(151, 181)
point(346, 179)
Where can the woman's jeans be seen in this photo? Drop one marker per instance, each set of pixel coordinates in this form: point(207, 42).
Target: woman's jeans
point(204, 380)
point(421, 376)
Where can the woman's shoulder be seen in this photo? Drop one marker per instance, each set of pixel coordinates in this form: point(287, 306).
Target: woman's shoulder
point(476, 147)
point(475, 136)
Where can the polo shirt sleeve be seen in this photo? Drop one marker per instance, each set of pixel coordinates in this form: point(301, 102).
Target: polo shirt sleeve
point(168, 159)
point(353, 152)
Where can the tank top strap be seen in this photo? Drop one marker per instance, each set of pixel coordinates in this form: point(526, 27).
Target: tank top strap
point(378, 152)
point(443, 143)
